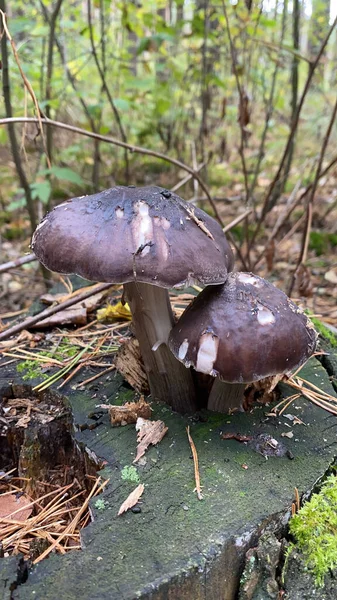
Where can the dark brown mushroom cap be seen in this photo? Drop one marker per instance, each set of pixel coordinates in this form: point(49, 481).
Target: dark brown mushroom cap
point(128, 233)
point(243, 331)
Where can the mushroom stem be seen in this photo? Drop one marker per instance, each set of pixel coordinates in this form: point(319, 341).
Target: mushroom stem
point(225, 397)
point(153, 320)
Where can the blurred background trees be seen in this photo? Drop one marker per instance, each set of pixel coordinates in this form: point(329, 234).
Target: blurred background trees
point(245, 88)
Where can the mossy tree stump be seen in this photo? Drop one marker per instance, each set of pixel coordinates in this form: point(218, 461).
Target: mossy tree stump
point(178, 546)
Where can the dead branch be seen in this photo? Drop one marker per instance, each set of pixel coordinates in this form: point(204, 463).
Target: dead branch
point(12, 264)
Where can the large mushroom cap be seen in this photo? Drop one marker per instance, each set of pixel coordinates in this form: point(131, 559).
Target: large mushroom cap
point(243, 331)
point(128, 233)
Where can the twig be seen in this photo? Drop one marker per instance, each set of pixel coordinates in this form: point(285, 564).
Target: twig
point(237, 220)
point(196, 464)
point(12, 264)
point(111, 140)
point(90, 379)
point(52, 310)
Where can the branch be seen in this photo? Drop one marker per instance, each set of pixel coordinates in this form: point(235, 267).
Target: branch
point(96, 289)
point(242, 102)
point(131, 148)
point(12, 264)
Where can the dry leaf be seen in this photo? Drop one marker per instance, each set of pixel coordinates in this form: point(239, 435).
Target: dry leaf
point(115, 312)
point(132, 499)
point(11, 503)
point(23, 337)
point(303, 281)
point(331, 276)
point(149, 432)
point(129, 412)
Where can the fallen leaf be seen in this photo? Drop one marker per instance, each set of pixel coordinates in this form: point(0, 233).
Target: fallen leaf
point(23, 337)
point(149, 432)
point(10, 503)
point(115, 312)
point(132, 499)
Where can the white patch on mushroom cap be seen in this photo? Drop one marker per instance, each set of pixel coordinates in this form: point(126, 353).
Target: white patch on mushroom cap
point(183, 349)
point(248, 278)
point(207, 353)
point(265, 316)
point(142, 227)
point(119, 212)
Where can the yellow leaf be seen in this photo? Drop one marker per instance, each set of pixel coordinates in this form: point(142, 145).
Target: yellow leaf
point(115, 312)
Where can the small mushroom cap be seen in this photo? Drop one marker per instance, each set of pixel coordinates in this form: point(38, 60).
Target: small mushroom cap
point(128, 233)
point(243, 331)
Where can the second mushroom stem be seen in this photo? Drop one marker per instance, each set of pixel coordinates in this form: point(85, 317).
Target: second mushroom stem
point(153, 320)
point(225, 397)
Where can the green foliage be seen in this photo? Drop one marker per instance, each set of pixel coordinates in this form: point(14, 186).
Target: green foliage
point(162, 61)
point(129, 473)
point(322, 242)
point(315, 530)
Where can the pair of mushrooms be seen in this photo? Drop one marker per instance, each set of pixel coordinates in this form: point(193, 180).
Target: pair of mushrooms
point(239, 329)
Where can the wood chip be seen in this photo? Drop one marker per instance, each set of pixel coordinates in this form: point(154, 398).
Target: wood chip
point(10, 504)
point(132, 499)
point(149, 432)
point(128, 413)
point(129, 364)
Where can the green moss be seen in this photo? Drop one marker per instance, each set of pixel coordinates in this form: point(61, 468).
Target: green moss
point(315, 530)
point(31, 370)
point(100, 504)
point(324, 332)
point(130, 474)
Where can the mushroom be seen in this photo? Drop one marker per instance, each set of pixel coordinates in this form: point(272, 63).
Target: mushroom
point(239, 332)
point(150, 240)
